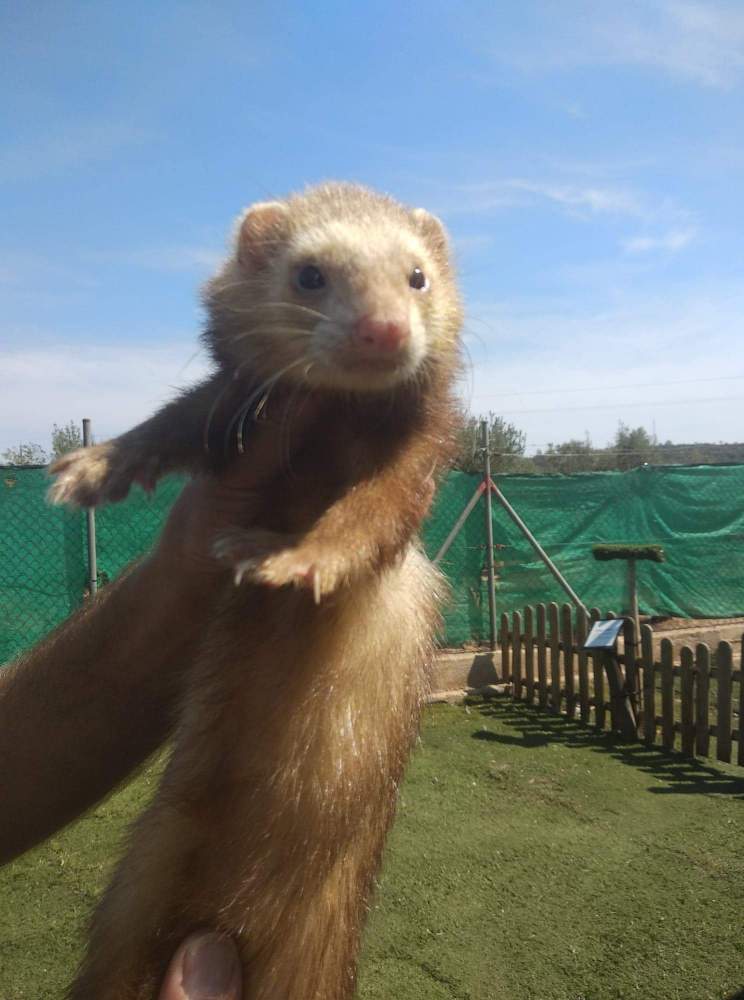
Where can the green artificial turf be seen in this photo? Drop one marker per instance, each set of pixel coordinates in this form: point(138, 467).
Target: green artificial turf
point(531, 859)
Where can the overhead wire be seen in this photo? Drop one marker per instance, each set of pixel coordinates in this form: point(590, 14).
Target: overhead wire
point(626, 405)
point(607, 388)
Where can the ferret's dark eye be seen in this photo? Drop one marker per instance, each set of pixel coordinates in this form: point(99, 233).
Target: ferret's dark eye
point(310, 278)
point(417, 279)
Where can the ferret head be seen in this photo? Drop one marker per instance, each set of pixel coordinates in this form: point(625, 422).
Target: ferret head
point(337, 288)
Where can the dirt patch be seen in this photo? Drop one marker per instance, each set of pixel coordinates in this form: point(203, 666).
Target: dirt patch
point(675, 624)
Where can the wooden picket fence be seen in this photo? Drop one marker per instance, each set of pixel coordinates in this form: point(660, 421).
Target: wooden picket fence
point(691, 701)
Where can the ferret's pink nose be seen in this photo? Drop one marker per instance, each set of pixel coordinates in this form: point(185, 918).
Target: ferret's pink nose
point(380, 336)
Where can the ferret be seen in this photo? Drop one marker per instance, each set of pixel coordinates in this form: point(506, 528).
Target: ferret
point(334, 327)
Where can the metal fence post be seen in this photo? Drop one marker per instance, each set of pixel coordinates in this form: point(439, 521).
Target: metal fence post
point(489, 534)
point(90, 517)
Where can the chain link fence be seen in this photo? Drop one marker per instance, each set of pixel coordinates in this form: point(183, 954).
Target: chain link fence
point(695, 512)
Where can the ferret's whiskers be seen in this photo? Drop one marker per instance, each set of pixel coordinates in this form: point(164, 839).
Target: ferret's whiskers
point(468, 371)
point(298, 307)
point(218, 399)
point(254, 395)
point(274, 330)
point(264, 391)
point(263, 306)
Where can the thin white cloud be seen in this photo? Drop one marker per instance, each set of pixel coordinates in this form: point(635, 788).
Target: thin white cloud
point(22, 269)
point(527, 358)
point(176, 258)
point(116, 386)
point(8, 273)
point(698, 40)
point(671, 242)
point(67, 149)
point(472, 243)
point(24, 273)
point(703, 41)
point(595, 200)
point(509, 192)
point(573, 109)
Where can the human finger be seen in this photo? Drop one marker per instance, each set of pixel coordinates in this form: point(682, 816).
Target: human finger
point(205, 967)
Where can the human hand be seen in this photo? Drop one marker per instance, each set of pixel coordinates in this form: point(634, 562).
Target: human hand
point(205, 967)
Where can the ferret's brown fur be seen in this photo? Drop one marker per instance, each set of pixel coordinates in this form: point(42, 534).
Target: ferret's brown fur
point(297, 716)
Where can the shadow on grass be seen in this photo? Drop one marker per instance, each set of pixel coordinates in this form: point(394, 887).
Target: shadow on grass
point(535, 728)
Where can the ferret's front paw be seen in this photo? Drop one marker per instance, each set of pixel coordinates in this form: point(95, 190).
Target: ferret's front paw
point(243, 550)
point(92, 476)
point(272, 559)
point(300, 568)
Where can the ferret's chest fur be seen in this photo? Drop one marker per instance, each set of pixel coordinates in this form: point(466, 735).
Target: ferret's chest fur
point(325, 731)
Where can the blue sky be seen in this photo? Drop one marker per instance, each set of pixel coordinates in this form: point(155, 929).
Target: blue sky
point(588, 159)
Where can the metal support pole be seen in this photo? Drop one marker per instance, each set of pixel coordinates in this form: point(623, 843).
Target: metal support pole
point(445, 546)
point(90, 517)
point(489, 534)
point(536, 546)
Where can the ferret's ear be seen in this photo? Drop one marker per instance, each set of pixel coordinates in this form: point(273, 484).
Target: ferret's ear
point(260, 230)
point(432, 230)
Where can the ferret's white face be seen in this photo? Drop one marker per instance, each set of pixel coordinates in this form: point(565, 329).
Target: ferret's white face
point(336, 302)
point(368, 292)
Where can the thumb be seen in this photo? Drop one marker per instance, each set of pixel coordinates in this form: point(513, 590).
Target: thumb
point(205, 967)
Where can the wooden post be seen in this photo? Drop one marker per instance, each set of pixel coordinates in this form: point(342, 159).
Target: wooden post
point(504, 642)
point(598, 679)
point(542, 665)
point(687, 661)
point(631, 553)
point(724, 666)
point(667, 694)
point(630, 647)
point(621, 710)
point(517, 655)
point(649, 684)
point(529, 654)
point(622, 715)
point(633, 590)
point(568, 659)
point(555, 657)
point(702, 700)
point(581, 633)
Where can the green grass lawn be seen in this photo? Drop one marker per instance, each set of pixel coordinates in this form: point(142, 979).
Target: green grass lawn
point(531, 859)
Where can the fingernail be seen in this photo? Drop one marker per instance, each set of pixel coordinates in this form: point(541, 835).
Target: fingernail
point(211, 970)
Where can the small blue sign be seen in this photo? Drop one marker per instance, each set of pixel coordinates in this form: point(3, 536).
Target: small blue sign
point(604, 633)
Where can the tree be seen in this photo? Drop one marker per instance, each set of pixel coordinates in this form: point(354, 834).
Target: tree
point(632, 446)
point(506, 445)
point(26, 454)
point(574, 455)
point(65, 439)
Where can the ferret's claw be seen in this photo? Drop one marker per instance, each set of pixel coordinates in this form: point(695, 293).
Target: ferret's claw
point(241, 569)
point(81, 477)
point(99, 474)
